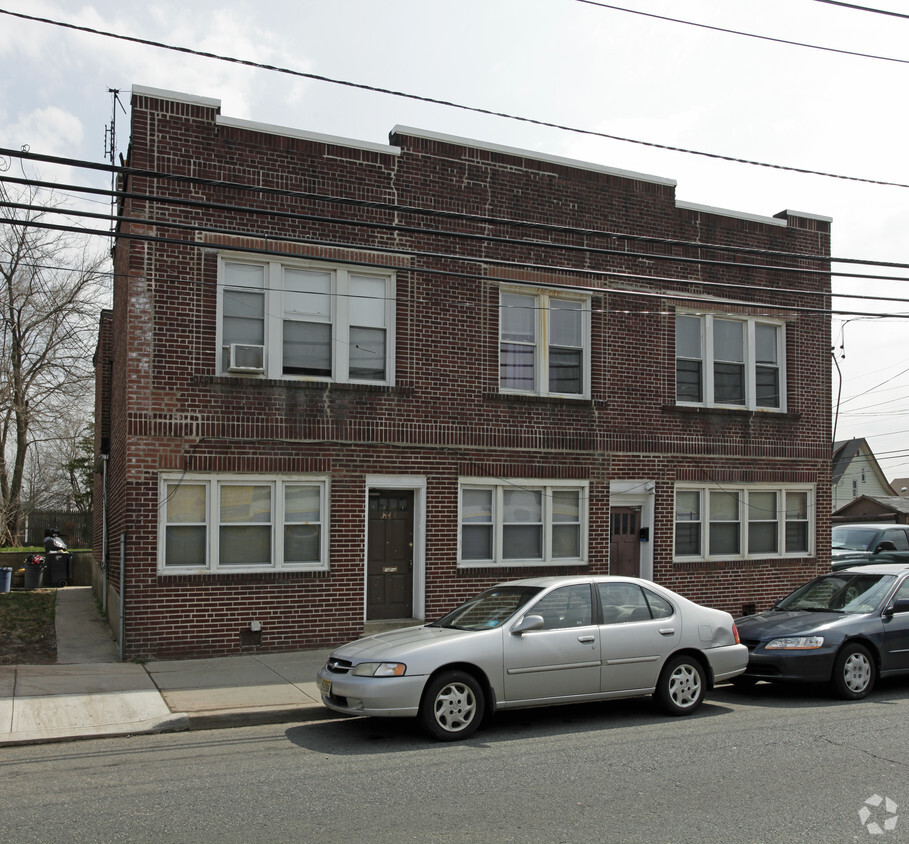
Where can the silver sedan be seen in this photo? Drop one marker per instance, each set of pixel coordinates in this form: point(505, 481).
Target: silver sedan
point(538, 642)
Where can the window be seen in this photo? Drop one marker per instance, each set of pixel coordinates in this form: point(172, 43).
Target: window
point(626, 602)
point(748, 521)
point(238, 523)
point(306, 321)
point(897, 537)
point(729, 362)
point(544, 346)
point(567, 606)
point(522, 523)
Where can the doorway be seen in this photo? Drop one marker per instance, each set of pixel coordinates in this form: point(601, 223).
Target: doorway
point(389, 554)
point(625, 541)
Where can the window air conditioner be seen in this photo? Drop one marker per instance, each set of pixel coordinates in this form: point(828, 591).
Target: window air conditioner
point(244, 358)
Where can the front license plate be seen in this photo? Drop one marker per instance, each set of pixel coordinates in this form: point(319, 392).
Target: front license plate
point(325, 686)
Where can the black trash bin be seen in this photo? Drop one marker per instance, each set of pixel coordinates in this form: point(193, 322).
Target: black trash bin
point(35, 571)
point(59, 567)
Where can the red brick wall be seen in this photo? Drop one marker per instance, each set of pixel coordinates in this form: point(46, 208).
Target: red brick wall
point(444, 418)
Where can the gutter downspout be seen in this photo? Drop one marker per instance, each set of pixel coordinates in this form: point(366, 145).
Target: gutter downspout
point(122, 594)
point(105, 561)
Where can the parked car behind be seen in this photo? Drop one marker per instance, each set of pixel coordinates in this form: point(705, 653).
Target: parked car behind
point(538, 642)
point(846, 629)
point(878, 558)
point(860, 541)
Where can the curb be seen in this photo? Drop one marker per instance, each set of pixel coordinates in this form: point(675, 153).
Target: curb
point(175, 723)
point(218, 719)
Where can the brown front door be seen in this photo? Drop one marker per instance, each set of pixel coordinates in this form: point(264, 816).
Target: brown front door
point(625, 542)
point(389, 557)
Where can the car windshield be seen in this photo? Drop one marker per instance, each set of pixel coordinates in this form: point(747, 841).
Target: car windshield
point(488, 609)
point(841, 592)
point(852, 539)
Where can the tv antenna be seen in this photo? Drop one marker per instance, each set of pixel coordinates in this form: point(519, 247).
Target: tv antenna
point(110, 152)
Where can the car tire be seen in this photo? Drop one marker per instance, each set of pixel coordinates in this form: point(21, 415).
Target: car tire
point(854, 672)
point(681, 686)
point(453, 706)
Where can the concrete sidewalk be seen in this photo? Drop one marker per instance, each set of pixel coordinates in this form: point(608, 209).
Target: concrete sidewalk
point(89, 693)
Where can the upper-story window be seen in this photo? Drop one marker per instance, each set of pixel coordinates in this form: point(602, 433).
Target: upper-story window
point(544, 343)
point(280, 320)
point(729, 362)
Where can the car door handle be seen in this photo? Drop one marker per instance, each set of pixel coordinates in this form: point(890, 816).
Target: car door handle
point(586, 640)
point(667, 631)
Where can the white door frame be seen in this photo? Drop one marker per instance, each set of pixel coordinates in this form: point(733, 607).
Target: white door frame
point(416, 484)
point(637, 494)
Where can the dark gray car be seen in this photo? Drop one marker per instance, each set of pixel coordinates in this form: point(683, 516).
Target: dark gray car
point(846, 628)
point(860, 541)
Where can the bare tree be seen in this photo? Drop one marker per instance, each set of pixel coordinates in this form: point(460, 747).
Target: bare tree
point(52, 286)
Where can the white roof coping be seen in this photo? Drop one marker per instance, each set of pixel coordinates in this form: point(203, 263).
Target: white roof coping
point(305, 135)
point(176, 96)
point(725, 212)
point(532, 154)
point(788, 212)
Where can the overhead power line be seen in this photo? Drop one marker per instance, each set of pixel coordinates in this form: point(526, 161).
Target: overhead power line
point(864, 8)
point(157, 199)
point(745, 34)
point(451, 104)
point(681, 296)
point(399, 209)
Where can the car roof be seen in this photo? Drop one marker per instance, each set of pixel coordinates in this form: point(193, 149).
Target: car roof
point(877, 568)
point(554, 580)
point(870, 525)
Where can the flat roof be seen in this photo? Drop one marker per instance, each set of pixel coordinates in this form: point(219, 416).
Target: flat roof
point(531, 154)
point(410, 131)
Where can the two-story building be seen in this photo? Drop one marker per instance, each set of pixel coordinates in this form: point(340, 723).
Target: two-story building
point(345, 382)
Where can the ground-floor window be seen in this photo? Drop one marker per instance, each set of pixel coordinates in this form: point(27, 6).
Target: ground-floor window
point(233, 523)
point(519, 523)
point(723, 521)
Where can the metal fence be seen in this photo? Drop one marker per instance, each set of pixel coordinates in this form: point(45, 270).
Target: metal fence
point(75, 527)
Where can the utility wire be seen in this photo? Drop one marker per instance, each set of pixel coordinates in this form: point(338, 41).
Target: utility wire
point(745, 34)
point(864, 8)
point(392, 207)
point(685, 297)
point(451, 104)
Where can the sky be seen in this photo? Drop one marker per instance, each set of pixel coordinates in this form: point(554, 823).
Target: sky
point(563, 62)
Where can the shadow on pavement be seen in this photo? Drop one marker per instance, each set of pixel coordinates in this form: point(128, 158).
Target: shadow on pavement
point(808, 695)
point(367, 736)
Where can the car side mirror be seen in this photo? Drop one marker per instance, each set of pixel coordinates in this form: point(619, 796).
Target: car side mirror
point(899, 605)
point(529, 622)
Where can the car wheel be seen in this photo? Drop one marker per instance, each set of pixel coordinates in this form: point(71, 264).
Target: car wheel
point(680, 688)
point(854, 673)
point(452, 706)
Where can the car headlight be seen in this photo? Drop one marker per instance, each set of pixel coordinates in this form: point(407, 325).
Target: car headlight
point(795, 643)
point(379, 669)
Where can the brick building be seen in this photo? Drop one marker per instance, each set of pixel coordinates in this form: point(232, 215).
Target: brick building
point(344, 382)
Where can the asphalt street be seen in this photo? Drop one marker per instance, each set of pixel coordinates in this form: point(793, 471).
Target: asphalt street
point(776, 766)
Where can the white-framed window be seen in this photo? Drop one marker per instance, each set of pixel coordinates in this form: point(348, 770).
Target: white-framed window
point(544, 342)
point(738, 522)
point(522, 523)
point(727, 361)
point(305, 320)
point(217, 522)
